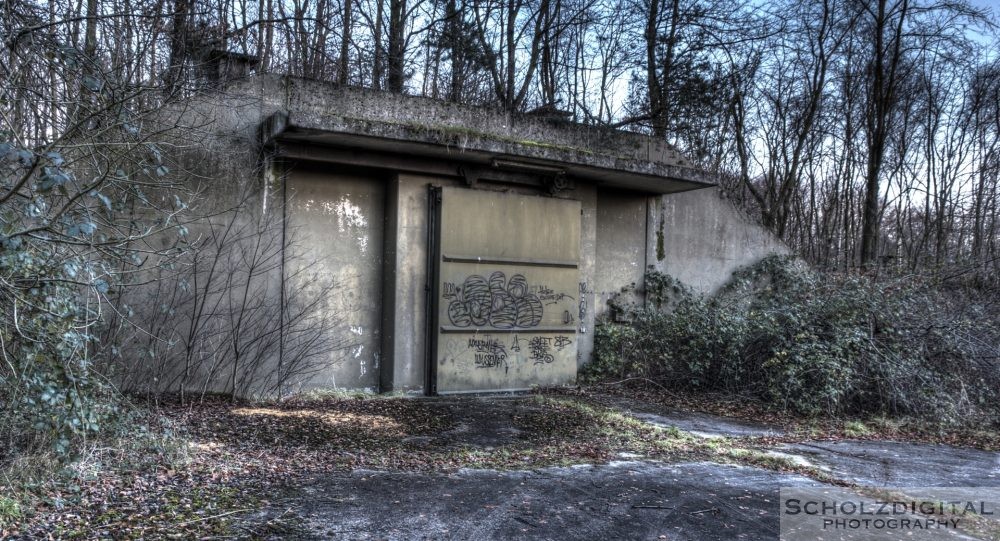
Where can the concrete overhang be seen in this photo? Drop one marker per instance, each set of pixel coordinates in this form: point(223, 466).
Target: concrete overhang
point(380, 129)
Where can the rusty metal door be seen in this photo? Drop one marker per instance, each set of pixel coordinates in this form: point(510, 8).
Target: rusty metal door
point(504, 303)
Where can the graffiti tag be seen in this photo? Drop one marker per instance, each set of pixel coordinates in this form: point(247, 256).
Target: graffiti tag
point(495, 301)
point(489, 353)
point(540, 350)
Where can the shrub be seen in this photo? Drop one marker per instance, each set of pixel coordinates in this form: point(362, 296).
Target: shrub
point(814, 343)
point(81, 203)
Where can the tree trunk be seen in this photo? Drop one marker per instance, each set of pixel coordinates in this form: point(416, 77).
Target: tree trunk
point(882, 96)
point(378, 64)
point(343, 69)
point(397, 43)
point(178, 46)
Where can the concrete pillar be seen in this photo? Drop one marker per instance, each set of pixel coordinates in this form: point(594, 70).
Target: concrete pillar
point(587, 194)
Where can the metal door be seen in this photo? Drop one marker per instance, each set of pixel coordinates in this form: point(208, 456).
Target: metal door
point(504, 301)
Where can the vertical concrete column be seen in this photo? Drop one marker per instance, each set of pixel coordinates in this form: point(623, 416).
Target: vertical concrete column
point(588, 259)
point(404, 286)
point(390, 258)
point(621, 247)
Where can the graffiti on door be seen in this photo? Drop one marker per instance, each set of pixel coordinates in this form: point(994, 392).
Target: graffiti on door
point(494, 301)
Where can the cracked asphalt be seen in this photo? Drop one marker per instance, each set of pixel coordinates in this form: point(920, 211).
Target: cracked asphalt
point(629, 499)
point(621, 500)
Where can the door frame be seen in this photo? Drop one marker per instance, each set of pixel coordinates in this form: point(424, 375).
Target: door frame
point(431, 314)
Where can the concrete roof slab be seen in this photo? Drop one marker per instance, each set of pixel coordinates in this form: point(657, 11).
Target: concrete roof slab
point(316, 113)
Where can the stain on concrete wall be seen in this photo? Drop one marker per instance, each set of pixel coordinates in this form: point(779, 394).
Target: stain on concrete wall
point(621, 246)
point(706, 238)
point(337, 220)
point(661, 251)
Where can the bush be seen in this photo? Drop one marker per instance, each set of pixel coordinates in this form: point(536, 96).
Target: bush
point(814, 343)
point(84, 192)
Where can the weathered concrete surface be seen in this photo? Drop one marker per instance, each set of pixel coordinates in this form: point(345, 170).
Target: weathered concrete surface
point(508, 290)
point(260, 109)
point(706, 425)
point(896, 464)
point(868, 463)
point(405, 289)
point(621, 247)
point(336, 225)
point(323, 113)
point(587, 195)
point(625, 500)
point(621, 500)
point(700, 238)
point(404, 311)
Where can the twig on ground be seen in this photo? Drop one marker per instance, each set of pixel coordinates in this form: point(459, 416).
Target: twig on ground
point(647, 380)
point(709, 510)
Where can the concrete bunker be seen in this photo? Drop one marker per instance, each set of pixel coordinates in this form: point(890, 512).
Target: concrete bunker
point(475, 249)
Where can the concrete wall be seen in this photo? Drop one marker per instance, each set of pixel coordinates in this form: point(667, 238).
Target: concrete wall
point(336, 223)
point(364, 234)
point(621, 247)
point(700, 238)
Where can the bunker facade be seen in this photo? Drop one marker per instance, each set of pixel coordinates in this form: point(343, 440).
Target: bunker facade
point(473, 250)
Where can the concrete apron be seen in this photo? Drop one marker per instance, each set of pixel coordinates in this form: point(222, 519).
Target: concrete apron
point(621, 500)
point(868, 463)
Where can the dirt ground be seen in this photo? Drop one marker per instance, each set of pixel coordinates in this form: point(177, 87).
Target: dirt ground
point(544, 466)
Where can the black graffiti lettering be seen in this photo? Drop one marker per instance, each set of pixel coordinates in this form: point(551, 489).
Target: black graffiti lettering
point(547, 296)
point(489, 352)
point(562, 342)
point(516, 344)
point(449, 291)
point(494, 301)
point(486, 345)
point(539, 347)
point(486, 360)
point(567, 318)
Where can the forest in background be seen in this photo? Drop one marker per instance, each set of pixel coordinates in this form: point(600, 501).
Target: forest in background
point(863, 133)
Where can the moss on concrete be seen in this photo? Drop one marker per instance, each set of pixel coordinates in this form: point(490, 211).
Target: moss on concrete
point(459, 131)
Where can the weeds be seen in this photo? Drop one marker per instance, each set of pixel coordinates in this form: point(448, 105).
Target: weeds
point(10, 511)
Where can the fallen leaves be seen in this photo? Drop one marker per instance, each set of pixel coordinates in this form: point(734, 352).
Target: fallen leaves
point(239, 458)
